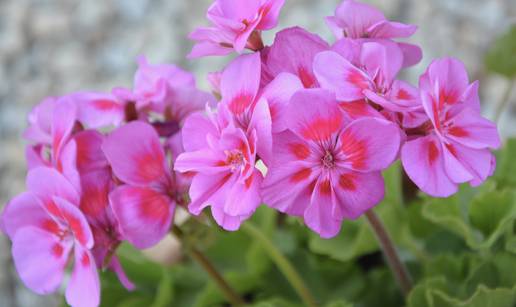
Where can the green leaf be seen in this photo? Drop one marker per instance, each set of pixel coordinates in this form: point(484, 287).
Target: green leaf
point(501, 58)
point(505, 174)
point(165, 292)
point(339, 303)
point(492, 213)
point(483, 297)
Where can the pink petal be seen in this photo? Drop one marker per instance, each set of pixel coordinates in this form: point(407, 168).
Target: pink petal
point(40, 259)
point(366, 151)
point(337, 74)
point(477, 162)
point(423, 160)
point(356, 18)
point(262, 124)
point(472, 130)
point(116, 267)
point(70, 215)
point(471, 97)
point(63, 121)
point(235, 9)
point(271, 10)
point(226, 221)
point(40, 121)
point(239, 93)
point(318, 216)
point(391, 29)
point(83, 290)
point(23, 210)
point(244, 197)
point(314, 114)
point(205, 161)
point(449, 75)
point(209, 190)
point(358, 109)
point(356, 193)
point(278, 93)
point(412, 54)
point(89, 151)
point(291, 173)
point(96, 186)
point(293, 51)
point(383, 58)
point(195, 131)
point(145, 215)
point(454, 168)
point(99, 110)
point(46, 182)
point(143, 159)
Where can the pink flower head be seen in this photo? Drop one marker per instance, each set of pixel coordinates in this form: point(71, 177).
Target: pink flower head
point(372, 77)
point(326, 169)
point(144, 205)
point(45, 225)
point(293, 52)
point(453, 146)
point(361, 21)
point(51, 127)
point(236, 25)
point(249, 110)
point(223, 157)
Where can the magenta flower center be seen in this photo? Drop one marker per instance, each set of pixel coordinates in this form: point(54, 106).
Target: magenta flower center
point(235, 159)
point(328, 161)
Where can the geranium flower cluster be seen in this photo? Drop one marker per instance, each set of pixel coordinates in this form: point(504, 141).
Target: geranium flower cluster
point(303, 126)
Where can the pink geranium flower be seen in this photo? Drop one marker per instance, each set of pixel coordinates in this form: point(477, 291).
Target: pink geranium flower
point(453, 146)
point(363, 22)
point(326, 169)
point(223, 157)
point(236, 25)
point(248, 108)
point(163, 89)
point(45, 225)
point(372, 76)
point(52, 125)
point(144, 204)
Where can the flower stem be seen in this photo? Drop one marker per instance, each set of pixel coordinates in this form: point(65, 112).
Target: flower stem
point(389, 251)
point(282, 262)
point(231, 295)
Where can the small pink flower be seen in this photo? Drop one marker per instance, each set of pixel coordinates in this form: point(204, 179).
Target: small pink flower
point(144, 204)
point(236, 25)
point(249, 110)
point(363, 22)
point(293, 52)
point(223, 157)
point(453, 146)
point(45, 225)
point(372, 76)
point(326, 169)
point(51, 128)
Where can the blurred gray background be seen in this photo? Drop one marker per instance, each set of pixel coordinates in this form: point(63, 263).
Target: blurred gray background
point(51, 47)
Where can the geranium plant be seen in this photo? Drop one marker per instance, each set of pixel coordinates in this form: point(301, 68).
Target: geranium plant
point(297, 141)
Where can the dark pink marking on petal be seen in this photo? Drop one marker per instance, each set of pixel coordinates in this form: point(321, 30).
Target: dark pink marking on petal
point(240, 103)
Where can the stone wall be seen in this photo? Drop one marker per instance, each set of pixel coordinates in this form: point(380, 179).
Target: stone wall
point(51, 47)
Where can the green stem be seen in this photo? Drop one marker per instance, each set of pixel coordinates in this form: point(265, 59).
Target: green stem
point(228, 292)
point(397, 267)
point(282, 262)
point(504, 101)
